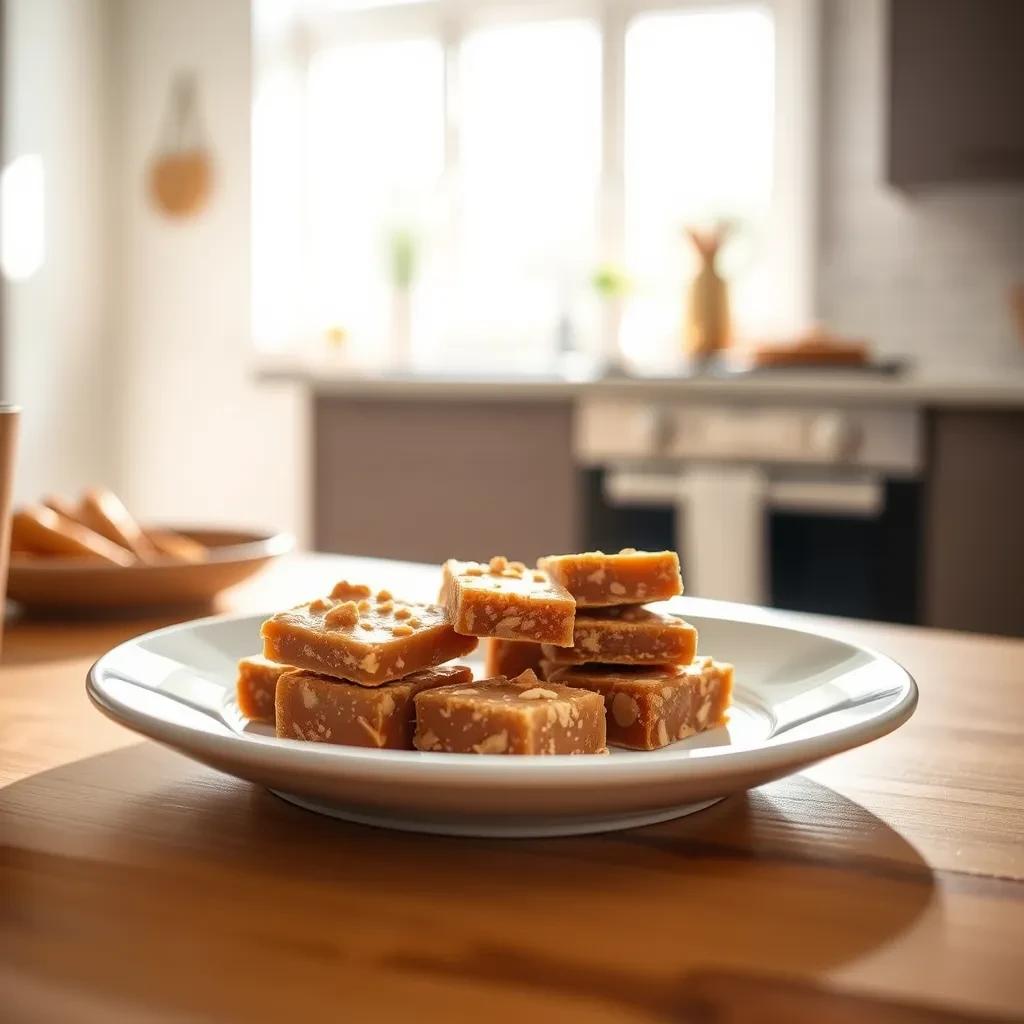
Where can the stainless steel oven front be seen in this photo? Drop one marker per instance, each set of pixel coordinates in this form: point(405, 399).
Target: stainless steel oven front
point(800, 505)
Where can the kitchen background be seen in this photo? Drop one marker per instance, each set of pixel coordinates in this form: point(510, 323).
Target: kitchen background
point(871, 153)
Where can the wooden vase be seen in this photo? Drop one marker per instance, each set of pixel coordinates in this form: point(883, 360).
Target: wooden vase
point(707, 325)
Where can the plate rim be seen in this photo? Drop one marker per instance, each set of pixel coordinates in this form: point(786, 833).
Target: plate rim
point(776, 754)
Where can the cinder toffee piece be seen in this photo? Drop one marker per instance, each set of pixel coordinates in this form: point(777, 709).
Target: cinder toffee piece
point(366, 639)
point(649, 708)
point(510, 716)
point(255, 686)
point(628, 635)
point(507, 600)
point(596, 580)
point(319, 708)
point(511, 657)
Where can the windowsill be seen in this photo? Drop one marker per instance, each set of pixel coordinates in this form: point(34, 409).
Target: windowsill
point(938, 386)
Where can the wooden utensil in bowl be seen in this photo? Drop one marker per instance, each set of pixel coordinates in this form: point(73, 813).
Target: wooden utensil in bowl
point(63, 583)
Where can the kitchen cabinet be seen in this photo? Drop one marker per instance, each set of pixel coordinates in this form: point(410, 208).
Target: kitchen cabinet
point(956, 79)
point(974, 521)
point(426, 480)
point(427, 469)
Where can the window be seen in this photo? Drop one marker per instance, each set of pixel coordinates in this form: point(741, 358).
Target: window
point(446, 177)
point(375, 160)
point(699, 108)
point(529, 166)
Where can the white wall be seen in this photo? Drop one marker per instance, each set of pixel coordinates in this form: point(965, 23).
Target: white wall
point(925, 275)
point(199, 440)
point(129, 349)
point(58, 349)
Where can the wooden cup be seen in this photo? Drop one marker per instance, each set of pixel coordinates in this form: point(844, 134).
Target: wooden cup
point(9, 417)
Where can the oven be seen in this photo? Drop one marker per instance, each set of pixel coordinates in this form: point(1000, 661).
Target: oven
point(804, 507)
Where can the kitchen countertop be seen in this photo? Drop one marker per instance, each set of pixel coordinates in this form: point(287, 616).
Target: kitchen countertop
point(140, 886)
point(949, 388)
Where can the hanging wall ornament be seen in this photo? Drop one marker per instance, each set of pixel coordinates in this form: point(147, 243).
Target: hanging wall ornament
point(181, 174)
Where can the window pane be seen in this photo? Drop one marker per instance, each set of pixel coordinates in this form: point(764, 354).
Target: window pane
point(278, 286)
point(376, 137)
point(530, 136)
point(699, 146)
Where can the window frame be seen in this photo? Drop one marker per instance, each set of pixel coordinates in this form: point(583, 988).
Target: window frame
point(793, 218)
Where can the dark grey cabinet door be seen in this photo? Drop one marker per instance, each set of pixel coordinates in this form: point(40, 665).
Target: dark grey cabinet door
point(956, 79)
point(974, 514)
point(429, 480)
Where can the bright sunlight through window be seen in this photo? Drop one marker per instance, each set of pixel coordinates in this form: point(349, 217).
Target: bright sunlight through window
point(449, 177)
point(376, 157)
point(698, 148)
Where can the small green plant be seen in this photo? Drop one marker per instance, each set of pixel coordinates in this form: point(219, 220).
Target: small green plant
point(402, 257)
point(611, 281)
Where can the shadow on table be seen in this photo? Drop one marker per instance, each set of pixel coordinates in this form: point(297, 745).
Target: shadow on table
point(177, 868)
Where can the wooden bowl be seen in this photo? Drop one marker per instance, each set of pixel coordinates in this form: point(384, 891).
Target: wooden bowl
point(43, 583)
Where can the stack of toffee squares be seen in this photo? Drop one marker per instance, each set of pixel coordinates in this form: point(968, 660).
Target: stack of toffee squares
point(576, 660)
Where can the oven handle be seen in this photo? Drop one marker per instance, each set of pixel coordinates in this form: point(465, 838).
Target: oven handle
point(861, 496)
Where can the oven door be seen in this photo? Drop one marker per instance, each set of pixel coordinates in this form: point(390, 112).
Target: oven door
point(798, 505)
point(837, 543)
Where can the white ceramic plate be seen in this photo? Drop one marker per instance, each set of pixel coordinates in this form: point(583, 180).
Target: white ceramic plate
point(800, 697)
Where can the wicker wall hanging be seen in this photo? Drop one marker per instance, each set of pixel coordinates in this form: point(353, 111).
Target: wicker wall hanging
point(181, 174)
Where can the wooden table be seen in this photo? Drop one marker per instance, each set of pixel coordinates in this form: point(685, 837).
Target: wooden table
point(138, 886)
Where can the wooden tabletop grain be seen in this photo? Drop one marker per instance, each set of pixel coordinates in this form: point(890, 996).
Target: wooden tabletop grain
point(136, 885)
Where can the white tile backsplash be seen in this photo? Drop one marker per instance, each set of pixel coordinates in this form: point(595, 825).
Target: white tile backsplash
point(925, 275)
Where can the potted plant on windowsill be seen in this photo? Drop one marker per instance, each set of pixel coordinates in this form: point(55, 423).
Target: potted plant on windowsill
point(613, 286)
point(403, 260)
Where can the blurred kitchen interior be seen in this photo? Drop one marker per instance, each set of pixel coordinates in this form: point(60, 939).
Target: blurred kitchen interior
point(413, 280)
